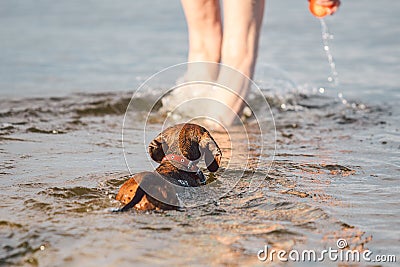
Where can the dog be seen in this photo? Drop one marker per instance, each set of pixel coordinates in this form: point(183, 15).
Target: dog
point(178, 149)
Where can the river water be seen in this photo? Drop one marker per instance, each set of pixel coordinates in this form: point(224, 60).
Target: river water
point(67, 73)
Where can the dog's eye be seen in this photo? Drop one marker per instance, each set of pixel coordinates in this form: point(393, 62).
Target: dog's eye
point(172, 157)
point(182, 160)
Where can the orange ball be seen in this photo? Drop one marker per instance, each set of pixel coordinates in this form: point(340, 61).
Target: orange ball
point(318, 10)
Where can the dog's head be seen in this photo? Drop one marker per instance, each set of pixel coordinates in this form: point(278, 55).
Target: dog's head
point(189, 140)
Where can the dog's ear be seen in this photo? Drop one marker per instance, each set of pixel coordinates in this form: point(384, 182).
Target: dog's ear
point(157, 148)
point(212, 153)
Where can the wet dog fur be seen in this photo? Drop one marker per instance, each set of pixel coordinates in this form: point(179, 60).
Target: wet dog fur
point(156, 190)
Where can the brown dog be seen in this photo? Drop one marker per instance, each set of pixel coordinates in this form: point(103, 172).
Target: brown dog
point(178, 149)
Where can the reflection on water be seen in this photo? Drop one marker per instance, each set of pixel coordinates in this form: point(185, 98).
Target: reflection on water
point(63, 165)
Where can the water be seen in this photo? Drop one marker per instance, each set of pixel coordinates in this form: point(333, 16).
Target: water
point(67, 74)
point(326, 36)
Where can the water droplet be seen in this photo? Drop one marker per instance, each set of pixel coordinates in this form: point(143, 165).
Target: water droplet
point(42, 247)
point(326, 36)
point(283, 106)
point(344, 101)
point(340, 95)
point(321, 90)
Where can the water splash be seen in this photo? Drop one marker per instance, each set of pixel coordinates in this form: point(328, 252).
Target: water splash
point(333, 79)
point(326, 37)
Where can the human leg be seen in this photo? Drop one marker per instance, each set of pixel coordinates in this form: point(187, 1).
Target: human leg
point(205, 37)
point(242, 23)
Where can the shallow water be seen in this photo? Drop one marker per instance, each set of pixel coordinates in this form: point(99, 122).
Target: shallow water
point(63, 166)
point(335, 173)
